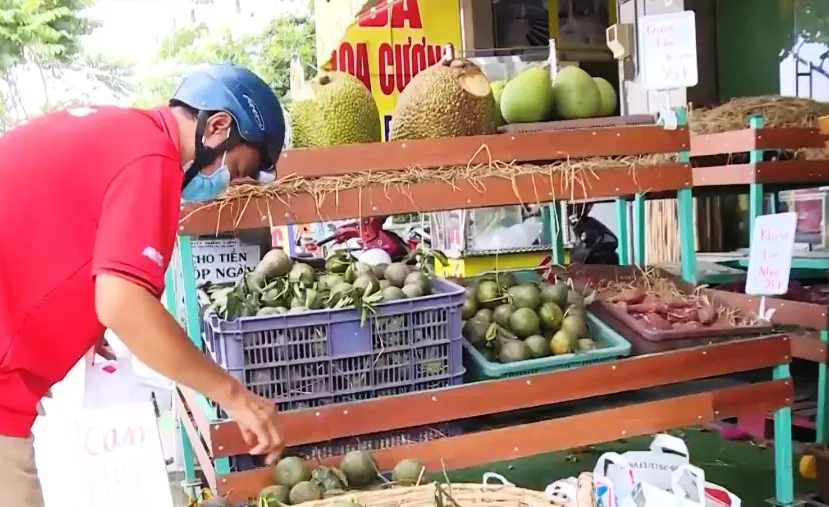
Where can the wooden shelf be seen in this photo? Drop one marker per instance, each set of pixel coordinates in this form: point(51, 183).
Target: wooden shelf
point(739, 141)
point(795, 172)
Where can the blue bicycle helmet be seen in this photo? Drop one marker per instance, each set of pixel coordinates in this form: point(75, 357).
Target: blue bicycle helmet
point(243, 95)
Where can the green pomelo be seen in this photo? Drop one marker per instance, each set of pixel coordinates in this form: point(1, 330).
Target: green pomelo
point(408, 472)
point(301, 272)
point(359, 468)
point(575, 325)
point(330, 479)
point(290, 471)
point(385, 283)
point(524, 322)
point(563, 342)
point(305, 491)
point(367, 284)
point(474, 330)
point(576, 94)
point(502, 313)
point(528, 97)
point(275, 263)
point(554, 293)
point(413, 290)
point(469, 308)
point(393, 294)
point(396, 273)
point(274, 496)
point(484, 314)
point(487, 293)
point(418, 278)
point(539, 345)
point(505, 279)
point(551, 316)
point(607, 97)
point(525, 295)
point(512, 351)
point(497, 88)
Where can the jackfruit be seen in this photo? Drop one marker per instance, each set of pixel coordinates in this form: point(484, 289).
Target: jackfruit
point(449, 99)
point(332, 109)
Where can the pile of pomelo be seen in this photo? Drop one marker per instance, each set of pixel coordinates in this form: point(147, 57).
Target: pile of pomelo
point(531, 96)
point(509, 321)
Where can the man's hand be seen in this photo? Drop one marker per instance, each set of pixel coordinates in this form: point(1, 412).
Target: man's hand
point(103, 349)
point(256, 418)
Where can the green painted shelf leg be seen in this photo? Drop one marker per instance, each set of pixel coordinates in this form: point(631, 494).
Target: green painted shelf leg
point(622, 226)
point(783, 459)
point(191, 308)
point(639, 229)
point(546, 225)
point(821, 431)
point(755, 190)
point(685, 210)
point(557, 233)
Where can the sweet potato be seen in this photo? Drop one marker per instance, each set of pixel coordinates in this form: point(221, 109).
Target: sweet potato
point(621, 306)
point(679, 302)
point(687, 326)
point(683, 315)
point(648, 307)
point(629, 296)
point(706, 315)
point(655, 322)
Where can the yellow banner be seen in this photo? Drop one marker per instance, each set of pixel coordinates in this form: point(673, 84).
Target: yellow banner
point(385, 42)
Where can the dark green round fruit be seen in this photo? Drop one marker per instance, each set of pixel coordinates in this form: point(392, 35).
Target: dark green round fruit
point(302, 273)
point(413, 290)
point(539, 345)
point(408, 472)
point(290, 471)
point(359, 468)
point(275, 263)
point(487, 293)
point(554, 293)
point(396, 273)
point(525, 296)
point(505, 279)
point(502, 313)
point(474, 330)
point(512, 351)
point(275, 496)
point(575, 325)
point(485, 314)
point(393, 294)
point(420, 279)
point(469, 308)
point(305, 491)
point(367, 284)
point(524, 322)
point(551, 316)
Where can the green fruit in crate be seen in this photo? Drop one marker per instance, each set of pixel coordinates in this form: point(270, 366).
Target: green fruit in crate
point(551, 316)
point(412, 290)
point(497, 88)
point(511, 351)
point(554, 293)
point(396, 273)
point(255, 281)
point(505, 279)
point(393, 294)
point(607, 96)
point(418, 278)
point(528, 97)
point(576, 325)
point(274, 496)
point(302, 273)
point(331, 280)
point(290, 471)
point(524, 322)
point(484, 314)
point(488, 294)
point(474, 330)
point(539, 345)
point(408, 472)
point(268, 310)
point(502, 313)
point(379, 270)
point(366, 284)
point(576, 94)
point(330, 479)
point(563, 342)
point(384, 284)
point(359, 468)
point(586, 345)
point(487, 352)
point(526, 295)
point(305, 491)
point(275, 263)
point(575, 298)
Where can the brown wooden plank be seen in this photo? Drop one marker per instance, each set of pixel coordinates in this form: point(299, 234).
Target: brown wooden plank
point(199, 418)
point(374, 200)
point(536, 438)
point(808, 346)
point(471, 400)
point(723, 175)
point(734, 141)
point(752, 398)
point(519, 147)
point(793, 171)
point(202, 455)
point(777, 138)
point(796, 313)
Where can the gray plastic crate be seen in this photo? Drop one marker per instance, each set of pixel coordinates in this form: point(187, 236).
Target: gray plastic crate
point(322, 357)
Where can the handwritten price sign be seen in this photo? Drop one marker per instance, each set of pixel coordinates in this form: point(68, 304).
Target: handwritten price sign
point(668, 51)
point(770, 258)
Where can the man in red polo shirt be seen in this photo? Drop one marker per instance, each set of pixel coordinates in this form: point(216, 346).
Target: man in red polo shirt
point(89, 207)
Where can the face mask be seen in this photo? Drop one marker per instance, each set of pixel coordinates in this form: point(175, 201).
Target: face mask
point(206, 188)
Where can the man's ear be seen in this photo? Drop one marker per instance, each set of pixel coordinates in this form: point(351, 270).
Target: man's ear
point(218, 122)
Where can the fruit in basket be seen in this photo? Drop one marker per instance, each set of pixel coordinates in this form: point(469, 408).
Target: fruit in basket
point(524, 322)
point(551, 316)
point(576, 325)
point(396, 273)
point(305, 491)
point(270, 310)
point(528, 97)
point(449, 99)
point(275, 263)
point(607, 96)
point(379, 270)
point(255, 281)
point(393, 294)
point(586, 345)
point(330, 280)
point(485, 314)
point(510, 350)
point(469, 308)
point(505, 279)
point(502, 313)
point(359, 468)
point(290, 471)
point(539, 345)
point(412, 290)
point(474, 330)
point(330, 479)
point(274, 496)
point(419, 279)
point(554, 293)
point(488, 294)
point(356, 270)
point(408, 472)
point(576, 94)
point(332, 109)
point(563, 342)
point(302, 272)
point(366, 284)
point(525, 295)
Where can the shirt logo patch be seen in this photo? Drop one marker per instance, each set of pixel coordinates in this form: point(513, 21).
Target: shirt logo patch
point(154, 255)
point(255, 112)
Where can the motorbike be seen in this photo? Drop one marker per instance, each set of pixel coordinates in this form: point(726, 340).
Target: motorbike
point(594, 243)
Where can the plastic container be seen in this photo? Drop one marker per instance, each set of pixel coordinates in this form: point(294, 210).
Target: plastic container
point(321, 357)
point(610, 346)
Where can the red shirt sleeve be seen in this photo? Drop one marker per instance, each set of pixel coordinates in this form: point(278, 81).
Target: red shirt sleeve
point(139, 220)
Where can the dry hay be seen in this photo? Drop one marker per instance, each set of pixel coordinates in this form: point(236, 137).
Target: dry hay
point(777, 111)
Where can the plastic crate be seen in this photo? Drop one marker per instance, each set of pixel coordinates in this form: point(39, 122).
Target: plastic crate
point(610, 346)
point(322, 357)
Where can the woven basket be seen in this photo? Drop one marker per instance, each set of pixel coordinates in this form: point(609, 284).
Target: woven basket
point(456, 495)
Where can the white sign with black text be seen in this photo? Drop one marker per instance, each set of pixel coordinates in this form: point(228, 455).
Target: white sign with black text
point(668, 51)
point(223, 260)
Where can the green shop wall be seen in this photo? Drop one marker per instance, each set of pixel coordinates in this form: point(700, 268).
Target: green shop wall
point(751, 37)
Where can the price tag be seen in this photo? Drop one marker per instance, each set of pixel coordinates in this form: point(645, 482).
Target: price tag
point(668, 51)
point(770, 257)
